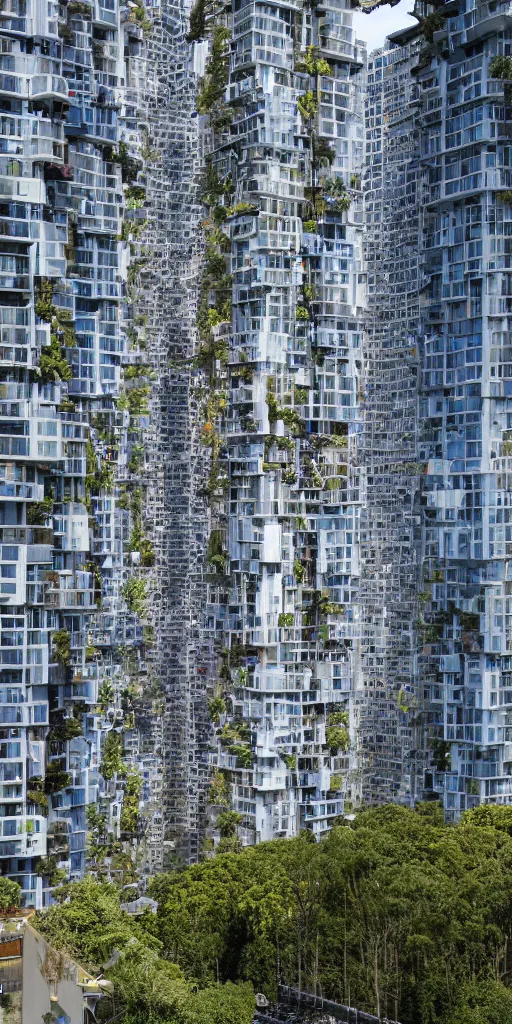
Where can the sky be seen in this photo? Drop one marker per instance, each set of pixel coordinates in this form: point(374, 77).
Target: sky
point(376, 26)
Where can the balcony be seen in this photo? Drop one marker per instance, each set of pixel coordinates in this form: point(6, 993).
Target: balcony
point(49, 87)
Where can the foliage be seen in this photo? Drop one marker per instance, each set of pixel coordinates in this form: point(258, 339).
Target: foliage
point(336, 194)
point(87, 923)
point(393, 912)
point(307, 105)
point(309, 226)
point(61, 646)
point(337, 737)
point(219, 789)
point(322, 152)
point(441, 754)
point(197, 21)
point(36, 797)
point(431, 24)
point(485, 1002)
point(229, 1004)
point(134, 592)
point(10, 894)
point(216, 708)
point(43, 305)
point(47, 868)
point(66, 729)
point(56, 778)
point(227, 823)
point(312, 63)
point(211, 94)
point(130, 809)
point(501, 67)
point(79, 7)
point(53, 365)
point(112, 755)
point(417, 914)
point(285, 619)
point(105, 694)
point(243, 755)
point(38, 512)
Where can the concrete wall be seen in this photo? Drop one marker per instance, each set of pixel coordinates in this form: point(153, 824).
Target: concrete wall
point(37, 991)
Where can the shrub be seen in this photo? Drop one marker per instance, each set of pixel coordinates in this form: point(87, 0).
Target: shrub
point(61, 646)
point(112, 755)
point(501, 67)
point(197, 21)
point(134, 592)
point(56, 778)
point(227, 823)
point(307, 105)
point(43, 305)
point(337, 738)
point(286, 619)
point(216, 708)
point(53, 365)
point(10, 895)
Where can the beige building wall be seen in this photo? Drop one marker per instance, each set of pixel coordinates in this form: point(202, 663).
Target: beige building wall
point(52, 982)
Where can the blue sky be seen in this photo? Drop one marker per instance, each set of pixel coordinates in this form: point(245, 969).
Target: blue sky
point(376, 26)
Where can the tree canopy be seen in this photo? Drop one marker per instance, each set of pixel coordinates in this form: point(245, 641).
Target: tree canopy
point(394, 912)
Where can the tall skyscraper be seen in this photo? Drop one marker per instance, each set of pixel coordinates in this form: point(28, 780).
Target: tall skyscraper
point(254, 425)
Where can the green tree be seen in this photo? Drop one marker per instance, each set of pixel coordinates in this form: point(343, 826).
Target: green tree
point(112, 755)
point(10, 895)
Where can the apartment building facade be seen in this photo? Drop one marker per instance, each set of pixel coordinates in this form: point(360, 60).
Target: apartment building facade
point(465, 403)
point(74, 554)
point(254, 425)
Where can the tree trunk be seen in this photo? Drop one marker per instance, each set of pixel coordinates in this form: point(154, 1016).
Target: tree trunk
point(376, 980)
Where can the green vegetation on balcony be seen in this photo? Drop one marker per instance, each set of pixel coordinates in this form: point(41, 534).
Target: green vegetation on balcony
point(39, 512)
point(43, 304)
point(35, 796)
point(286, 619)
point(53, 365)
point(210, 99)
point(61, 646)
point(112, 756)
point(501, 68)
point(219, 789)
point(308, 105)
point(243, 754)
point(309, 226)
point(197, 21)
point(130, 809)
point(311, 62)
point(337, 738)
point(335, 190)
point(216, 708)
point(134, 592)
point(56, 778)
